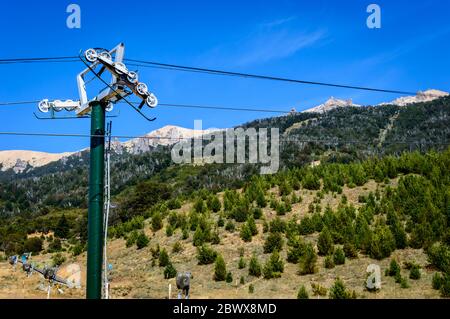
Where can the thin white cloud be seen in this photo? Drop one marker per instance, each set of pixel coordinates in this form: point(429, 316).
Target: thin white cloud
point(270, 41)
point(278, 22)
point(277, 45)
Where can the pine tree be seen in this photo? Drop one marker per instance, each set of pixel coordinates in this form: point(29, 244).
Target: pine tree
point(254, 268)
point(325, 243)
point(214, 204)
point(241, 264)
point(302, 293)
point(142, 240)
point(220, 270)
point(274, 266)
point(157, 223)
point(62, 229)
point(308, 260)
point(199, 237)
point(252, 225)
point(338, 290)
point(328, 262)
point(246, 234)
point(163, 258)
point(414, 272)
point(339, 256)
point(170, 271)
point(274, 242)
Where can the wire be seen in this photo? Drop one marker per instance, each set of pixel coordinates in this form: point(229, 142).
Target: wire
point(263, 77)
point(283, 138)
point(41, 59)
point(224, 108)
point(245, 109)
point(19, 102)
point(175, 67)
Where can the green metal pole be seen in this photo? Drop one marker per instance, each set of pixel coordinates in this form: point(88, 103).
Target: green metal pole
point(95, 211)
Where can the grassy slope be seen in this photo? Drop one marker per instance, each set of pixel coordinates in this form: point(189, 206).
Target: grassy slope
point(133, 275)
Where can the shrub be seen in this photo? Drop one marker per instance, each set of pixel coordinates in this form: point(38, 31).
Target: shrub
point(274, 266)
point(229, 278)
point(215, 238)
point(170, 271)
point(242, 280)
point(206, 255)
point(157, 223)
point(230, 226)
point(445, 286)
point(131, 239)
point(55, 246)
point(436, 282)
point(394, 269)
point(277, 225)
point(382, 244)
point(257, 213)
point(185, 233)
point(403, 283)
point(254, 267)
point(214, 204)
point(311, 182)
point(246, 234)
point(77, 249)
point(439, 256)
point(169, 230)
point(58, 259)
point(174, 203)
point(240, 213)
point(328, 262)
point(142, 240)
point(265, 227)
point(199, 237)
point(308, 260)
point(339, 257)
point(274, 242)
point(33, 245)
point(220, 222)
point(295, 252)
point(302, 293)
point(172, 220)
point(325, 242)
point(241, 264)
point(200, 206)
point(399, 235)
point(62, 228)
point(414, 273)
point(163, 258)
point(251, 289)
point(306, 226)
point(318, 290)
point(252, 226)
point(338, 290)
point(350, 250)
point(155, 251)
point(177, 247)
point(220, 269)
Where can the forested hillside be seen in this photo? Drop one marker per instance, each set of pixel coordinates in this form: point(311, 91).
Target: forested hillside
point(354, 146)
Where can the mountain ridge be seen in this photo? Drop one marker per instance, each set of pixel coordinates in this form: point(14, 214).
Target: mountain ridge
point(20, 161)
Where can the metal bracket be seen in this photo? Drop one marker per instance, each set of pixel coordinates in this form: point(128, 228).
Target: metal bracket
point(123, 83)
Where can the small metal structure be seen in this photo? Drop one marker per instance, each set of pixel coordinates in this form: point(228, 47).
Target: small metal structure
point(50, 274)
point(123, 83)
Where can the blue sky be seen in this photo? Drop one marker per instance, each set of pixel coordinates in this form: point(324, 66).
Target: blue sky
point(311, 40)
